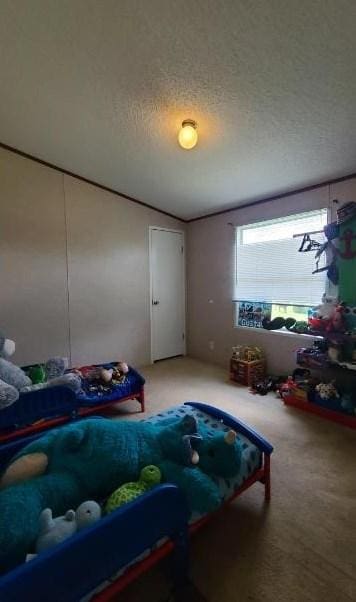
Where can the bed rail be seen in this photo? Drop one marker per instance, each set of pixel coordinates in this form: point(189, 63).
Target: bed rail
point(235, 424)
point(91, 557)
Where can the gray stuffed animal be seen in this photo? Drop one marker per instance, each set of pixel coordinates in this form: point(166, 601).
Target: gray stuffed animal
point(55, 530)
point(12, 378)
point(14, 381)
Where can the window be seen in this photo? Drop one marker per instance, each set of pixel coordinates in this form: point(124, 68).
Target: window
point(272, 278)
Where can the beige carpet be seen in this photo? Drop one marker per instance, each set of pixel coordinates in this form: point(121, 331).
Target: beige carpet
point(300, 548)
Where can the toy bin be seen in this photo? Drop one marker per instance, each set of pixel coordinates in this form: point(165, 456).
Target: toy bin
point(247, 373)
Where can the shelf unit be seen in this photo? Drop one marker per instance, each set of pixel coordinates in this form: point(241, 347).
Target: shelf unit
point(314, 408)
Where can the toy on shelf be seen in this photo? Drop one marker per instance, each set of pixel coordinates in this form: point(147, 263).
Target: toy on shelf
point(301, 385)
point(53, 531)
point(288, 387)
point(312, 357)
point(327, 391)
point(300, 389)
point(247, 365)
point(150, 476)
point(330, 396)
point(328, 317)
point(335, 349)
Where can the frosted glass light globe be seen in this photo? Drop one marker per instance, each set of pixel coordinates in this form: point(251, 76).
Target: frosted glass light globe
point(188, 135)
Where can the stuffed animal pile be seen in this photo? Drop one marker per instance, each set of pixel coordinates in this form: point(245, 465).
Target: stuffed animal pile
point(13, 380)
point(90, 459)
point(99, 381)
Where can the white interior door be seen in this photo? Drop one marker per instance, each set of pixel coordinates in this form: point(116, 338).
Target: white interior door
point(167, 293)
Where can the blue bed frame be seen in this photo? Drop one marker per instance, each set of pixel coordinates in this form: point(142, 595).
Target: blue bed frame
point(45, 408)
point(74, 568)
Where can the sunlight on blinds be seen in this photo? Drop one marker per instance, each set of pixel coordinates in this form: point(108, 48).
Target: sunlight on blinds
point(270, 269)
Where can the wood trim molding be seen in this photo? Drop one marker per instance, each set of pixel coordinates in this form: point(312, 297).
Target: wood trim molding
point(181, 219)
point(83, 179)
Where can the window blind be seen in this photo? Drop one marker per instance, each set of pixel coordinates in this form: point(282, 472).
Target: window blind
point(268, 266)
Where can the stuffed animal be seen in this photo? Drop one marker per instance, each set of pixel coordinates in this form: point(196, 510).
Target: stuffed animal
point(327, 391)
point(83, 460)
point(115, 375)
point(123, 367)
point(52, 374)
point(106, 375)
point(149, 477)
point(70, 380)
point(327, 307)
point(336, 323)
point(55, 367)
point(55, 530)
point(37, 374)
point(329, 316)
point(12, 378)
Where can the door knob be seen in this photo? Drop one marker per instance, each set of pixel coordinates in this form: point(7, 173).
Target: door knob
point(155, 302)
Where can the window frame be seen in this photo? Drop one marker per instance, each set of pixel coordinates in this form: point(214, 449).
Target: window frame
point(236, 302)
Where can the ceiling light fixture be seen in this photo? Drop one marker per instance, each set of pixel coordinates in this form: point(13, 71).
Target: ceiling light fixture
point(188, 135)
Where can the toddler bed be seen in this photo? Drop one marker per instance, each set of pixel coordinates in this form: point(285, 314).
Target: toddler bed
point(99, 562)
point(45, 408)
point(93, 399)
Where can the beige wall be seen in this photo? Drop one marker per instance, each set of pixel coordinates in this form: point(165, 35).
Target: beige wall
point(55, 229)
point(33, 271)
point(211, 274)
point(109, 274)
point(53, 226)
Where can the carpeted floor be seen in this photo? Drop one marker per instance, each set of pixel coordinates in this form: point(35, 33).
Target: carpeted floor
point(300, 548)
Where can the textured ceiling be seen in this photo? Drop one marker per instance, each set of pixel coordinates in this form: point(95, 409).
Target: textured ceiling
point(100, 88)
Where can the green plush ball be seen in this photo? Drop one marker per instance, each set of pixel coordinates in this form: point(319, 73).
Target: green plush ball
point(149, 477)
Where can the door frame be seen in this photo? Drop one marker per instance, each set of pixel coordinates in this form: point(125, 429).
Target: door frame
point(150, 230)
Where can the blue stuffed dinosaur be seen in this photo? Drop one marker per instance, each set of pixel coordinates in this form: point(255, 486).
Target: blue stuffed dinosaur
point(90, 459)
